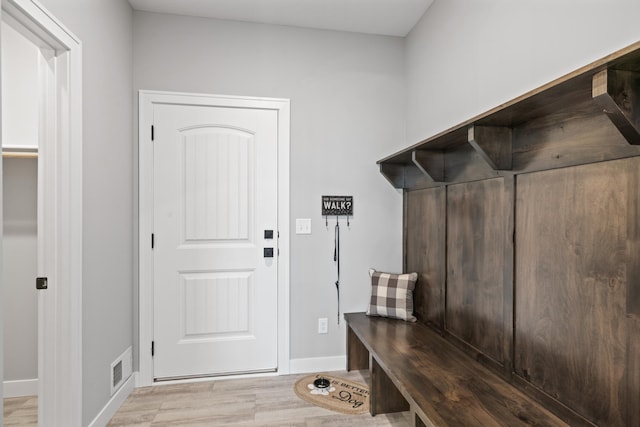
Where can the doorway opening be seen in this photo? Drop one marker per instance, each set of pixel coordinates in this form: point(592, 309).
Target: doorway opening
point(20, 118)
point(59, 210)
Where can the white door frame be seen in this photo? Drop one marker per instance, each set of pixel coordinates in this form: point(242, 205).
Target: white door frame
point(145, 215)
point(59, 212)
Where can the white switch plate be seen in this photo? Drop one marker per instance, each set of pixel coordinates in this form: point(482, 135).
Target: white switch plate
point(303, 225)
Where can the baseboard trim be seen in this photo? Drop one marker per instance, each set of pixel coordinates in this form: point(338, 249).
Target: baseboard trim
point(116, 401)
point(318, 364)
point(20, 388)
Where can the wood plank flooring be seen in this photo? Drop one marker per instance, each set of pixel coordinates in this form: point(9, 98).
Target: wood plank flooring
point(268, 401)
point(22, 411)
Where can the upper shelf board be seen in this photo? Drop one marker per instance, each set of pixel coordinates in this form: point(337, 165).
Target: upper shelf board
point(612, 82)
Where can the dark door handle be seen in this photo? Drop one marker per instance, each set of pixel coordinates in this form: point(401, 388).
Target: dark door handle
point(268, 252)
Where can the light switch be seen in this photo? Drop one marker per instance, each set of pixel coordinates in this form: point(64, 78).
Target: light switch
point(303, 225)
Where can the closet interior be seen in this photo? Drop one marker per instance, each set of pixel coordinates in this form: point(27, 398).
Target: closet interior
point(20, 119)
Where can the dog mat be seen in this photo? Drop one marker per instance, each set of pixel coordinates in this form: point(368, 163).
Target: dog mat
point(337, 394)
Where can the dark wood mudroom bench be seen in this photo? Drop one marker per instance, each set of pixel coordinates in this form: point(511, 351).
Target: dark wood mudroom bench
point(413, 368)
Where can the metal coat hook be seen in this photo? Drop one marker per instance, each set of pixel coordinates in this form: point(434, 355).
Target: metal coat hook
point(338, 206)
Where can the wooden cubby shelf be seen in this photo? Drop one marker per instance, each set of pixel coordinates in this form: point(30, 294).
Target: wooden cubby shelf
point(431, 164)
point(618, 93)
point(499, 140)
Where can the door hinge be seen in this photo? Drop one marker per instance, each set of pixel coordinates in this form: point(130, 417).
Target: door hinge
point(152, 133)
point(153, 348)
point(153, 240)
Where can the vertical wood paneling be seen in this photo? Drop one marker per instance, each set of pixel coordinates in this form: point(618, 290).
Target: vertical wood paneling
point(217, 184)
point(572, 264)
point(633, 372)
point(475, 257)
point(425, 220)
point(508, 273)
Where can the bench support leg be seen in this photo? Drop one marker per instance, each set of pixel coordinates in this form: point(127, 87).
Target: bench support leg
point(384, 396)
point(357, 353)
point(417, 422)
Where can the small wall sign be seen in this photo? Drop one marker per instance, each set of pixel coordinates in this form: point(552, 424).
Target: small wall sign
point(337, 205)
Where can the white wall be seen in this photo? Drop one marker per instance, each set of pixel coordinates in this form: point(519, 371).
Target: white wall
point(467, 56)
point(104, 28)
point(20, 244)
point(19, 89)
point(347, 111)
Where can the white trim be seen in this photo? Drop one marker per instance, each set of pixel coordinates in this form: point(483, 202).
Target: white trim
point(146, 100)
point(213, 379)
point(60, 196)
point(20, 388)
point(126, 361)
point(318, 364)
point(112, 406)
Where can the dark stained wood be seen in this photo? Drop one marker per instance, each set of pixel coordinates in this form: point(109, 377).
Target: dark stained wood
point(572, 136)
point(475, 249)
point(542, 264)
point(508, 273)
point(384, 396)
point(404, 176)
point(633, 242)
point(430, 164)
point(572, 263)
point(394, 173)
point(465, 164)
point(617, 92)
point(443, 386)
point(571, 89)
point(633, 372)
point(425, 249)
point(357, 353)
point(580, 135)
point(493, 143)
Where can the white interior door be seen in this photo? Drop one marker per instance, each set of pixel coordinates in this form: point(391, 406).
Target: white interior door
point(215, 194)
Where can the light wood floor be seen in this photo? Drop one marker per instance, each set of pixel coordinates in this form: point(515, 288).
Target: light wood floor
point(22, 411)
point(268, 401)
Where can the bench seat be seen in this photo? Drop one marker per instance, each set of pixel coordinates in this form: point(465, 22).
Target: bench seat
point(414, 368)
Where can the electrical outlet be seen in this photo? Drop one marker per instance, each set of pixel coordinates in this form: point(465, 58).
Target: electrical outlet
point(323, 325)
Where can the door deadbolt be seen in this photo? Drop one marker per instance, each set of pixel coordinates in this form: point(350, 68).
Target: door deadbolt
point(41, 283)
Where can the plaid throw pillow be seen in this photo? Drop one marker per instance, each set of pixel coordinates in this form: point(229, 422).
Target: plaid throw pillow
point(392, 295)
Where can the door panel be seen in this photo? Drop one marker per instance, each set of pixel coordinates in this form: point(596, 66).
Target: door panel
point(215, 190)
point(218, 183)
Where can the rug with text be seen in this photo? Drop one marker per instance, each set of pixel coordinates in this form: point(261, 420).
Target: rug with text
point(337, 394)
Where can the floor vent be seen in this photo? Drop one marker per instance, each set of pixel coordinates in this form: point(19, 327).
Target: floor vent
point(120, 370)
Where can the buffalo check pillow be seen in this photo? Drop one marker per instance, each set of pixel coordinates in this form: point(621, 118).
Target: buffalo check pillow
point(392, 295)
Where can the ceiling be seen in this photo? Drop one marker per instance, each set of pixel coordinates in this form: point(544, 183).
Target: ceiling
point(385, 17)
